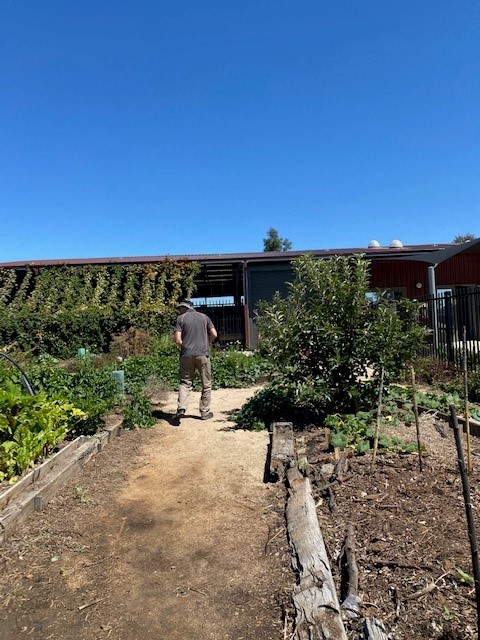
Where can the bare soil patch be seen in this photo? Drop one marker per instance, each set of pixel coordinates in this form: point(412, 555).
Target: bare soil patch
point(173, 533)
point(168, 533)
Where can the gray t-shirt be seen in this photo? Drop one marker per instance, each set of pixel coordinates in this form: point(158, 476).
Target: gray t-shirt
point(195, 327)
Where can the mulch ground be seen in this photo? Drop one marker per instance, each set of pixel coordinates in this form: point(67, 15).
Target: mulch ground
point(412, 543)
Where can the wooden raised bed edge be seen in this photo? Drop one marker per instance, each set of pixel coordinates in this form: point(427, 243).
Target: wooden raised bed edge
point(32, 491)
point(473, 424)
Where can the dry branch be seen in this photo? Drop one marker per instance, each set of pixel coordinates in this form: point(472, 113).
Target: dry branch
point(373, 629)
point(351, 604)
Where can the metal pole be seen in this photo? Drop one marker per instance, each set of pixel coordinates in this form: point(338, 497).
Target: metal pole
point(468, 509)
point(466, 413)
point(417, 421)
point(432, 291)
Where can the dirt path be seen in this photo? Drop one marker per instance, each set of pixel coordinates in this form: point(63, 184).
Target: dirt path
point(169, 533)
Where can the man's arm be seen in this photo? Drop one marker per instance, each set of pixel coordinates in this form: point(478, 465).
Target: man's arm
point(212, 334)
point(177, 336)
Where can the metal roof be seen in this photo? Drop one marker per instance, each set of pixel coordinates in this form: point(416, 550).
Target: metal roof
point(413, 252)
point(221, 272)
point(442, 254)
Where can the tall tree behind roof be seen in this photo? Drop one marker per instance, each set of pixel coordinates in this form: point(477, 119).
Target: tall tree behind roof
point(273, 242)
point(460, 239)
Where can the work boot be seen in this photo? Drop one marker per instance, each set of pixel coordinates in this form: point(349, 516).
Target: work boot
point(177, 417)
point(207, 416)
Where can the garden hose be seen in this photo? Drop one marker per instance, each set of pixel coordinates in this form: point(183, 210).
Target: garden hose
point(27, 385)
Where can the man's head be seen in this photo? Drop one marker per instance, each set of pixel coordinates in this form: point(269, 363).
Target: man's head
point(185, 305)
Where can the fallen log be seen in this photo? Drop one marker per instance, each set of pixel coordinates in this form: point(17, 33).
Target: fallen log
point(282, 453)
point(316, 603)
point(373, 629)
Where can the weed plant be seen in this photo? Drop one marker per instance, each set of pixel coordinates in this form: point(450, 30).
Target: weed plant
point(356, 431)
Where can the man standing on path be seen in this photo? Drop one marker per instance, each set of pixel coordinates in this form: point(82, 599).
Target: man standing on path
point(193, 333)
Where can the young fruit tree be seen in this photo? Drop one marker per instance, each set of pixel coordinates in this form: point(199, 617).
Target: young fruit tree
point(324, 336)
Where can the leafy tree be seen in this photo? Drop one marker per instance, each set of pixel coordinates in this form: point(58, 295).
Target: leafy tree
point(324, 335)
point(460, 239)
point(273, 242)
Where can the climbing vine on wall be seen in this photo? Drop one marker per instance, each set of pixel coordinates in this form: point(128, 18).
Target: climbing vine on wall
point(58, 309)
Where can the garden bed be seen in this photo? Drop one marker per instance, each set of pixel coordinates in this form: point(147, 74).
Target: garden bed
point(412, 545)
point(411, 541)
point(32, 491)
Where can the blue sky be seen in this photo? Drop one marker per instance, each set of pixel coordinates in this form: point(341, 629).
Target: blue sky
point(152, 128)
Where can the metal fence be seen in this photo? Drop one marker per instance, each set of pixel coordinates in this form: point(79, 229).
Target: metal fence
point(448, 317)
point(453, 321)
point(228, 320)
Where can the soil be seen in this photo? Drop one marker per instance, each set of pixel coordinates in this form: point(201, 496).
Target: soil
point(168, 533)
point(173, 533)
point(411, 532)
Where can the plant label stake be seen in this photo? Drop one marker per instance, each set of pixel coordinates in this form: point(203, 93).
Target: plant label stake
point(468, 508)
point(379, 416)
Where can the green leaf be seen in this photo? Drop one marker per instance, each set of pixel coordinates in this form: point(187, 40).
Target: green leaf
point(363, 446)
point(465, 577)
point(339, 440)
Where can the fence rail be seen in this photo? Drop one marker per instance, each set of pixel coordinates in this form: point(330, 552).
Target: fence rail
point(228, 320)
point(449, 317)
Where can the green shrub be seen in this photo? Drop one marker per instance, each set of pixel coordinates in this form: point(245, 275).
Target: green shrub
point(91, 389)
point(235, 369)
point(230, 369)
point(357, 431)
point(59, 309)
point(456, 385)
point(435, 400)
point(282, 400)
point(431, 370)
point(474, 387)
point(139, 369)
point(325, 333)
point(137, 412)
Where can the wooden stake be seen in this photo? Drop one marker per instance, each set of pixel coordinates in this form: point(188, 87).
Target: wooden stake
point(417, 421)
point(468, 508)
point(379, 415)
point(466, 408)
point(351, 604)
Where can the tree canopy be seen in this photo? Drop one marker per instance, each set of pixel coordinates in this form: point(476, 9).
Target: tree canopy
point(273, 241)
point(323, 337)
point(461, 238)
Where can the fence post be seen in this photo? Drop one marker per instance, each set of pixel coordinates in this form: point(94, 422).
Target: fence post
point(449, 327)
point(432, 288)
